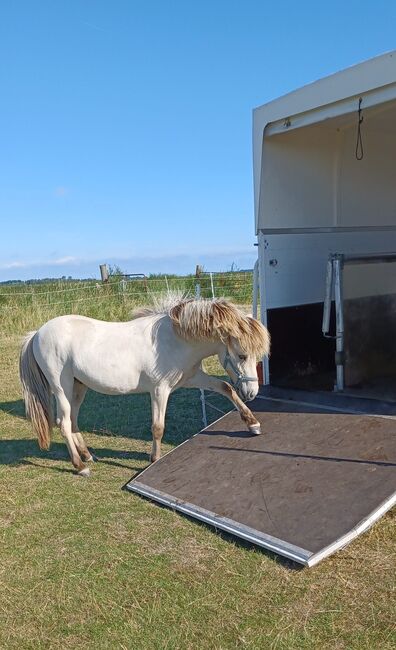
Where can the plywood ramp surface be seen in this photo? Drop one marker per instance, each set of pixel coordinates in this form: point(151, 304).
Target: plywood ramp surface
point(304, 488)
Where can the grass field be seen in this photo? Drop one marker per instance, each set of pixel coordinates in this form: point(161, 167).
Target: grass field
point(85, 564)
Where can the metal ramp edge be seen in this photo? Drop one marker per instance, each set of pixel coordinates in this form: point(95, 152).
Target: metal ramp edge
point(290, 551)
point(273, 544)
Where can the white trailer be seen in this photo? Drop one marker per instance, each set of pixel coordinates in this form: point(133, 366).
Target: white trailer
point(325, 183)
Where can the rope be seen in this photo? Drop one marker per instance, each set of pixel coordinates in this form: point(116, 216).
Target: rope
point(359, 153)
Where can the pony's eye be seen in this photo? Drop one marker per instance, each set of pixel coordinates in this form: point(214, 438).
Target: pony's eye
point(242, 357)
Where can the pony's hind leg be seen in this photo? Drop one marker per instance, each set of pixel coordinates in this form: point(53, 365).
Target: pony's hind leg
point(159, 401)
point(63, 402)
point(79, 392)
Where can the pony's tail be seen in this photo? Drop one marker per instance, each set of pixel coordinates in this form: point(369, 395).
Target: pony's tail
point(36, 393)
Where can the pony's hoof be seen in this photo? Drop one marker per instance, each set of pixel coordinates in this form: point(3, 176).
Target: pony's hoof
point(255, 429)
point(84, 472)
point(91, 459)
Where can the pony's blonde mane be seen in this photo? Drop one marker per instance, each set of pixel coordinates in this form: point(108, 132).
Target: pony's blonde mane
point(214, 319)
point(160, 304)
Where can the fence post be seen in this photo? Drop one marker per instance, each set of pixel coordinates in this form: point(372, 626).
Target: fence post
point(122, 289)
point(104, 272)
point(211, 284)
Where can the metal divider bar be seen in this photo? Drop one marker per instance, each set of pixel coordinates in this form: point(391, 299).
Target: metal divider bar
point(338, 294)
point(328, 299)
point(335, 283)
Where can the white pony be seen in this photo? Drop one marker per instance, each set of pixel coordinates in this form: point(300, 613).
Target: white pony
point(160, 350)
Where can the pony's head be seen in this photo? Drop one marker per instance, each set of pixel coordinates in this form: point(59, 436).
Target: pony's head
point(241, 368)
point(244, 339)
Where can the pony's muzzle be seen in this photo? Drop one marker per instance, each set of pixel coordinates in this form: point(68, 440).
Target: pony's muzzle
point(248, 391)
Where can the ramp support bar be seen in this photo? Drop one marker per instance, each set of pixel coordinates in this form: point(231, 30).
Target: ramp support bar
point(334, 283)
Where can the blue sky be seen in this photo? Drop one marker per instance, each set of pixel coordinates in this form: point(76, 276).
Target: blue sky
point(126, 125)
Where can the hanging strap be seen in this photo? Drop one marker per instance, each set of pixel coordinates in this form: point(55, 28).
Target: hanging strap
point(359, 153)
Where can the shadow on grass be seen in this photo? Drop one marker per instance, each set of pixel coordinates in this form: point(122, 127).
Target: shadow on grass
point(15, 408)
point(126, 415)
point(130, 415)
point(18, 451)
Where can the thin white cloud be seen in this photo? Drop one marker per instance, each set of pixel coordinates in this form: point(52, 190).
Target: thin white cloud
point(181, 253)
point(25, 264)
point(63, 260)
point(14, 265)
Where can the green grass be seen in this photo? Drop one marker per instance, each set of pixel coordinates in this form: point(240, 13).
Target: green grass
point(85, 564)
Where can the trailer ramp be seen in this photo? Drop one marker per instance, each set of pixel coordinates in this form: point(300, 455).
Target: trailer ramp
point(312, 482)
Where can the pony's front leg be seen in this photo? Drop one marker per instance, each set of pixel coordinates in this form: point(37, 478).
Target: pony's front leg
point(207, 382)
point(159, 401)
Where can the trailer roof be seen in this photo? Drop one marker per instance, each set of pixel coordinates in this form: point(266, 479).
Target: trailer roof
point(326, 98)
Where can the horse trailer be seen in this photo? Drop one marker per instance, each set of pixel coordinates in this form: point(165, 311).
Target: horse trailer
point(325, 217)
